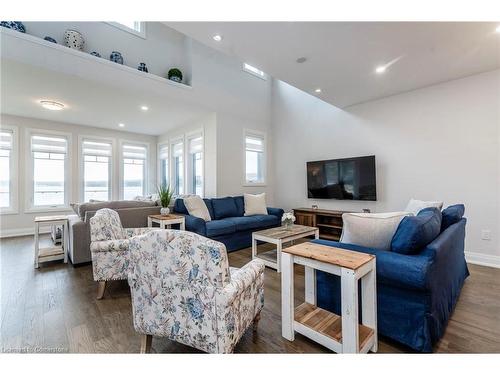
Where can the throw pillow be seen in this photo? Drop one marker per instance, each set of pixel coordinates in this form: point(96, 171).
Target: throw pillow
point(255, 204)
point(197, 207)
point(414, 205)
point(416, 232)
point(224, 207)
point(452, 215)
point(371, 230)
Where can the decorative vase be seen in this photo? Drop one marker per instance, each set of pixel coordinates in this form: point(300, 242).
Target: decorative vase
point(288, 225)
point(116, 57)
point(176, 79)
point(50, 39)
point(142, 67)
point(73, 39)
point(14, 25)
point(96, 54)
point(164, 211)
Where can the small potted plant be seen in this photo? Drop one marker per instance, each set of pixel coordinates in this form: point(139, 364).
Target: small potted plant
point(288, 219)
point(175, 75)
point(165, 196)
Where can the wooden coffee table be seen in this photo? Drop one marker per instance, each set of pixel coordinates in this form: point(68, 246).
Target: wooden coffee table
point(165, 221)
point(279, 236)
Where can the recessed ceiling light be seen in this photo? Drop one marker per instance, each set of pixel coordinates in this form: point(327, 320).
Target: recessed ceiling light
point(317, 91)
point(217, 37)
point(380, 69)
point(301, 60)
point(498, 29)
point(52, 105)
point(144, 107)
point(121, 124)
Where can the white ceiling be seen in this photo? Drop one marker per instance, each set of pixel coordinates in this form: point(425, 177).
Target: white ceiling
point(342, 56)
point(89, 102)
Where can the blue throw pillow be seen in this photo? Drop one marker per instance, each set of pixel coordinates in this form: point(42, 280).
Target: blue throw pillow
point(416, 232)
point(180, 207)
point(452, 215)
point(224, 207)
point(208, 203)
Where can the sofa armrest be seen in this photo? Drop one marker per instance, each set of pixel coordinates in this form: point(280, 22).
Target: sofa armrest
point(196, 225)
point(112, 245)
point(276, 212)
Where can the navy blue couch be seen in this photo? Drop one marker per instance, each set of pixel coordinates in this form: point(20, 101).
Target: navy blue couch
point(417, 292)
point(228, 224)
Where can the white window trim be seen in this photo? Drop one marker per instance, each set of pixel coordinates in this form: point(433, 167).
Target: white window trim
point(188, 176)
point(258, 133)
point(81, 168)
point(245, 69)
point(29, 208)
point(158, 161)
point(173, 141)
point(140, 34)
point(14, 176)
point(146, 166)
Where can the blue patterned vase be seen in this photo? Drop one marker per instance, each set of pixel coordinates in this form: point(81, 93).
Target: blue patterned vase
point(116, 57)
point(142, 67)
point(50, 39)
point(96, 54)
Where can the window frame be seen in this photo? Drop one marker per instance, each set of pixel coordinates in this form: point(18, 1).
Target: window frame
point(124, 142)
point(255, 74)
point(140, 34)
point(29, 199)
point(189, 163)
point(173, 141)
point(257, 134)
point(158, 159)
point(13, 207)
point(81, 164)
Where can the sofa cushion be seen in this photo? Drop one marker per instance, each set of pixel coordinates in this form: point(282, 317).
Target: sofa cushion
point(416, 232)
point(114, 205)
point(254, 222)
point(415, 206)
point(224, 207)
point(220, 227)
point(240, 205)
point(452, 215)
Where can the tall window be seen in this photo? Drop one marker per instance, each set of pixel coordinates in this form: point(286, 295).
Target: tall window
point(195, 164)
point(6, 159)
point(96, 170)
point(163, 156)
point(49, 154)
point(134, 27)
point(254, 158)
point(134, 170)
point(178, 167)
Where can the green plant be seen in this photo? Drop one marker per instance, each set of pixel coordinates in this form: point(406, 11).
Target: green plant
point(174, 72)
point(165, 195)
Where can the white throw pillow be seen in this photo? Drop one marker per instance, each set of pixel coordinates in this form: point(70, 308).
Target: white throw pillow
point(255, 204)
point(415, 206)
point(371, 230)
point(197, 207)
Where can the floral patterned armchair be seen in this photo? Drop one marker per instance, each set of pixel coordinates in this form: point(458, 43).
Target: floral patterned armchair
point(109, 247)
point(182, 288)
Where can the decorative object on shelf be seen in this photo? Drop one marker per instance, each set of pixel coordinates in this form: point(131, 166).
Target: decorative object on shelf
point(96, 54)
point(116, 57)
point(14, 25)
point(314, 206)
point(50, 39)
point(288, 219)
point(175, 75)
point(165, 196)
point(142, 67)
point(366, 210)
point(73, 39)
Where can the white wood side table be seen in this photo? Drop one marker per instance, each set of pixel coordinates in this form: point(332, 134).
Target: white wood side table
point(342, 334)
point(56, 252)
point(166, 221)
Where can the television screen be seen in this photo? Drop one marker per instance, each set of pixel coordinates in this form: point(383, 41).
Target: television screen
point(352, 178)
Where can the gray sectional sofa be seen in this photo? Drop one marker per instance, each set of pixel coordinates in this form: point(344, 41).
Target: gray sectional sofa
point(133, 214)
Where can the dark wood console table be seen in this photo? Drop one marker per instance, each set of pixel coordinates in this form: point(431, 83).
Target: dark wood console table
point(329, 222)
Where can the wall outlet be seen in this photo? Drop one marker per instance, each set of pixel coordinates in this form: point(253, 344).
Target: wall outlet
point(486, 234)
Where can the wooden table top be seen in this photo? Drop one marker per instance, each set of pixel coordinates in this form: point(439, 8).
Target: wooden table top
point(166, 217)
point(328, 254)
point(40, 219)
point(280, 233)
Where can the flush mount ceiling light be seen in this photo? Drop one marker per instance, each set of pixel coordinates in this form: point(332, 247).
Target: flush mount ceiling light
point(317, 91)
point(380, 69)
point(217, 37)
point(121, 124)
point(301, 60)
point(51, 105)
point(144, 107)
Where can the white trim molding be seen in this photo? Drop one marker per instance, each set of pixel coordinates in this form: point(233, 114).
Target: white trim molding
point(13, 208)
point(483, 259)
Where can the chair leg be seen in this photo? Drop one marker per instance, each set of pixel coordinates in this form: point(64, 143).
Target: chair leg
point(146, 341)
point(101, 287)
point(256, 322)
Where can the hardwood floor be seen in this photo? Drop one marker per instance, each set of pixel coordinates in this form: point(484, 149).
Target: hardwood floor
point(54, 309)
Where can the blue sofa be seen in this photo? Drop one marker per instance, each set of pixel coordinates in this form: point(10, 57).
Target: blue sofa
point(416, 291)
point(228, 224)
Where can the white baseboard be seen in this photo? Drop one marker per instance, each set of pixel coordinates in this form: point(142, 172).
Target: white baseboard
point(483, 259)
point(21, 232)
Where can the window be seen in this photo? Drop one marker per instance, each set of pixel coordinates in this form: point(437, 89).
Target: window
point(195, 164)
point(96, 156)
point(178, 167)
point(134, 27)
point(134, 170)
point(254, 71)
point(254, 158)
point(8, 169)
point(163, 159)
point(49, 171)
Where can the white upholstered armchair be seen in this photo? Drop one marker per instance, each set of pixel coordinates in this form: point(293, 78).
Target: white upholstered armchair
point(182, 288)
point(109, 247)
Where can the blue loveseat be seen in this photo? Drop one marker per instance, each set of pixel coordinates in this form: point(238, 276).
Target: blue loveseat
point(416, 292)
point(228, 223)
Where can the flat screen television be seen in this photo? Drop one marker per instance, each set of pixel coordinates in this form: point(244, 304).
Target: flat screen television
point(351, 179)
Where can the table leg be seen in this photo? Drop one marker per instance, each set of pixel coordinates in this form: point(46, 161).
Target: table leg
point(254, 248)
point(37, 245)
point(279, 248)
point(316, 234)
point(349, 299)
point(150, 223)
point(310, 281)
point(65, 242)
point(183, 225)
point(369, 302)
point(287, 307)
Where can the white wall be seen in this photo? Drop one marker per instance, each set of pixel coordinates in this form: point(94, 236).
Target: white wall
point(437, 143)
point(22, 222)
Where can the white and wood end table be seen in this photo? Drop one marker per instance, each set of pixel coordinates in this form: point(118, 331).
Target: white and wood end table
point(279, 236)
point(342, 334)
point(166, 221)
point(56, 252)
